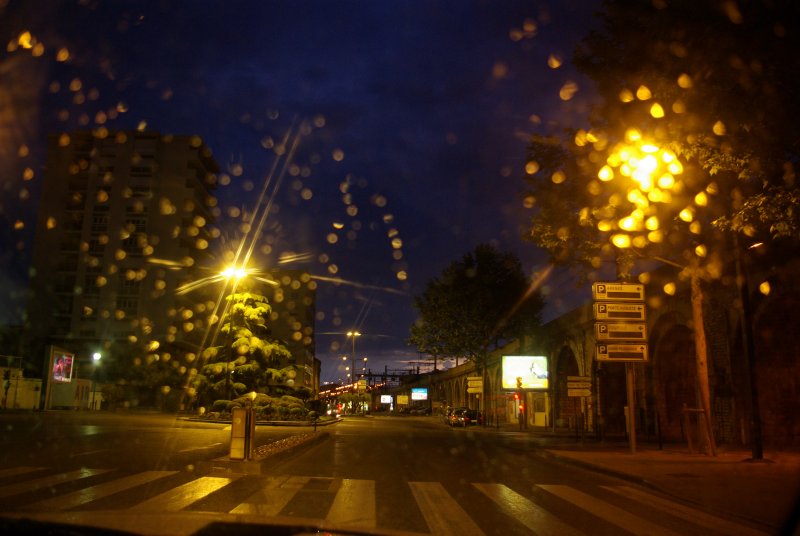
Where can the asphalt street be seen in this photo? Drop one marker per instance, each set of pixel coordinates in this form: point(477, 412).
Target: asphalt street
point(379, 474)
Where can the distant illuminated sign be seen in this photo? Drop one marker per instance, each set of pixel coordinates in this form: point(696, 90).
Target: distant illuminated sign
point(525, 371)
point(386, 399)
point(419, 393)
point(62, 367)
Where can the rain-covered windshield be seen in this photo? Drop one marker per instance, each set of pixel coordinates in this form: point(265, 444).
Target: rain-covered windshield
point(448, 267)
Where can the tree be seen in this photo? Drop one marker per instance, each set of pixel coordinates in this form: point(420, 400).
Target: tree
point(692, 145)
point(477, 302)
point(246, 361)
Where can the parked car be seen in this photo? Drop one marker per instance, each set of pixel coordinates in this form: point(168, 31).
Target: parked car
point(465, 417)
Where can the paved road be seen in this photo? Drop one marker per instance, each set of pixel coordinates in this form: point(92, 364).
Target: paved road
point(65, 440)
point(389, 474)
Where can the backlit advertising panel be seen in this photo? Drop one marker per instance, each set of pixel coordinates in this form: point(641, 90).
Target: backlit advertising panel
point(62, 366)
point(525, 371)
point(419, 393)
point(386, 399)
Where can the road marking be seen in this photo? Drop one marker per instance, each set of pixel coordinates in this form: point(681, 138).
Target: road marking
point(442, 513)
point(88, 452)
point(184, 495)
point(354, 504)
point(211, 446)
point(77, 498)
point(16, 471)
point(270, 500)
point(525, 511)
point(609, 512)
point(48, 481)
point(692, 515)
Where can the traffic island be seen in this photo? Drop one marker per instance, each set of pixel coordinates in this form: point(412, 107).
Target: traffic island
point(271, 450)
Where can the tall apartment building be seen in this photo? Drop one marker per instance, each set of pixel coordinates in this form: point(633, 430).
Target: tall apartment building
point(123, 221)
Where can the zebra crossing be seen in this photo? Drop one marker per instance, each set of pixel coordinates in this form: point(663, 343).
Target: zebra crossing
point(353, 503)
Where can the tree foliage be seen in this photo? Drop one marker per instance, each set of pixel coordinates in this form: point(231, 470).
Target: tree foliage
point(248, 355)
point(712, 84)
point(475, 303)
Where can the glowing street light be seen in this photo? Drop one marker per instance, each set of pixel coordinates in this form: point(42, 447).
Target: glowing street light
point(353, 334)
point(234, 273)
point(96, 357)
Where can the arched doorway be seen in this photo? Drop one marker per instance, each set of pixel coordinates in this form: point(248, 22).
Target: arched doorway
point(674, 378)
point(777, 357)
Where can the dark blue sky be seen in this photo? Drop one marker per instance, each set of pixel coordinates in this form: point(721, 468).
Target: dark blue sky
point(422, 107)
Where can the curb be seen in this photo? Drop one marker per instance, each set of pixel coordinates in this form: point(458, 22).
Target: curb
point(543, 452)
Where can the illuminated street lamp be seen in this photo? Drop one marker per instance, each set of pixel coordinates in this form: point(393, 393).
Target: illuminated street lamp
point(353, 334)
point(234, 273)
point(652, 174)
point(96, 357)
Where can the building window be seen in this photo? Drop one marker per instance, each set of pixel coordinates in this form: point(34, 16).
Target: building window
point(99, 223)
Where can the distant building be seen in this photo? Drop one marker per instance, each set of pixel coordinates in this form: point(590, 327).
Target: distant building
point(123, 221)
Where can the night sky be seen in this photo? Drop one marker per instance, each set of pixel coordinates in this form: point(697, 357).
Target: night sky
point(416, 118)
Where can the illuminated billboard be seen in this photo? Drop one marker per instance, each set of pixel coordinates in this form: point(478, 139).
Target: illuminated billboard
point(386, 399)
point(525, 371)
point(419, 393)
point(62, 366)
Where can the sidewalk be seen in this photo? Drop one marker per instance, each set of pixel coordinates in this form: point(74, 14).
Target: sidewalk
point(731, 484)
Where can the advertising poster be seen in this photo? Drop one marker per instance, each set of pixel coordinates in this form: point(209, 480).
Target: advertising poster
point(530, 370)
point(419, 393)
point(62, 366)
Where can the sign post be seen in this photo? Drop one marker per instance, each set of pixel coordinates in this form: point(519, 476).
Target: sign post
point(621, 334)
point(579, 387)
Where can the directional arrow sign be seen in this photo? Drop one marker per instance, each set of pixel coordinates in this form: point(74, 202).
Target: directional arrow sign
point(619, 311)
point(579, 385)
point(622, 352)
point(618, 292)
point(579, 392)
point(620, 331)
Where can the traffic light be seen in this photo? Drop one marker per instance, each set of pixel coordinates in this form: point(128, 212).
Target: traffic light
point(522, 407)
point(516, 396)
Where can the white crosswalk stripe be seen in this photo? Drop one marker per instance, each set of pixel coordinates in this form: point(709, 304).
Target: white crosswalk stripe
point(354, 505)
point(607, 511)
point(353, 502)
point(47, 481)
point(184, 495)
point(80, 497)
point(17, 471)
point(526, 511)
point(270, 499)
point(685, 512)
point(442, 513)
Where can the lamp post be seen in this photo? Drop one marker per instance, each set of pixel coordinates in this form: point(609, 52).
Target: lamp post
point(231, 273)
point(353, 334)
point(96, 357)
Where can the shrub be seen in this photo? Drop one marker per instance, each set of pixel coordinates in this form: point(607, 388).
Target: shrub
point(220, 405)
point(291, 401)
point(297, 413)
